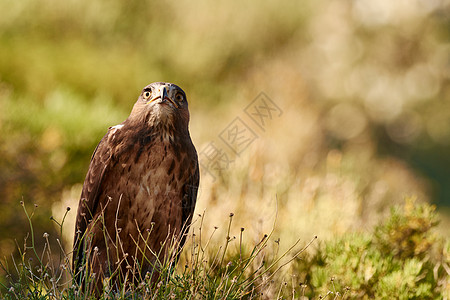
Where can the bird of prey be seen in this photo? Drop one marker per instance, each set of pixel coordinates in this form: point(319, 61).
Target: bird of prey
point(139, 193)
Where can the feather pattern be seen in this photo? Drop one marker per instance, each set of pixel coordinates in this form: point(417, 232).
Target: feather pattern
point(140, 190)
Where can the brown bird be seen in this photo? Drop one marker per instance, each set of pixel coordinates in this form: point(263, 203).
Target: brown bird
point(139, 193)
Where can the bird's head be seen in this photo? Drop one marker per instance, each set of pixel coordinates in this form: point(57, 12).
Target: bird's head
point(162, 103)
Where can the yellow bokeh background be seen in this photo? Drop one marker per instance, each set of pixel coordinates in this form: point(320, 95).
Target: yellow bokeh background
point(362, 87)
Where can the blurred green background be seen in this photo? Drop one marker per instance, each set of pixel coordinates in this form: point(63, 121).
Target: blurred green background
point(363, 86)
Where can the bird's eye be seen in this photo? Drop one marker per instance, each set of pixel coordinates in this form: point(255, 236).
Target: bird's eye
point(147, 94)
point(179, 97)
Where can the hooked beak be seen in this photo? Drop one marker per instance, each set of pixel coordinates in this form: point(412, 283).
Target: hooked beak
point(164, 96)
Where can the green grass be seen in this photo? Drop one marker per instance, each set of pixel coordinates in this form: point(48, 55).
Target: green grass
point(401, 258)
point(228, 270)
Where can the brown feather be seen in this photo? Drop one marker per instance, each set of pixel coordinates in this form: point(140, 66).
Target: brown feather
point(140, 190)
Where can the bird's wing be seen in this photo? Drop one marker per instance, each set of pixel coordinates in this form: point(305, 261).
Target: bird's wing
point(89, 200)
point(189, 199)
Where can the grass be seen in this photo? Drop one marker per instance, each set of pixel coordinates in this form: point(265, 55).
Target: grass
point(402, 257)
point(232, 269)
